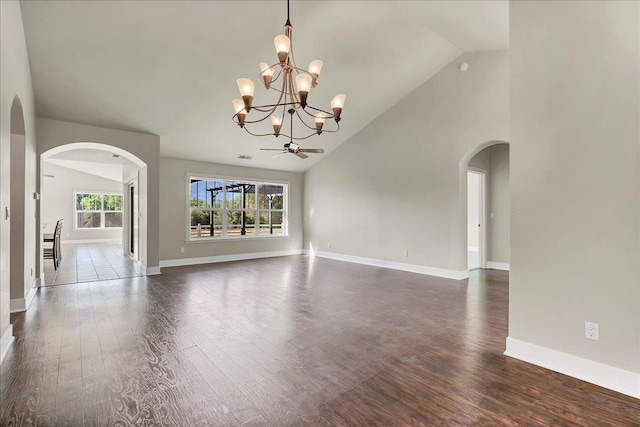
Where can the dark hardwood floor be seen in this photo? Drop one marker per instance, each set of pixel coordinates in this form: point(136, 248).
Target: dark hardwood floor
point(285, 342)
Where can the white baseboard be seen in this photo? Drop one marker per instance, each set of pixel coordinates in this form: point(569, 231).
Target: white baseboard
point(5, 342)
point(412, 268)
point(226, 258)
point(88, 241)
point(606, 376)
point(151, 271)
point(498, 265)
point(22, 304)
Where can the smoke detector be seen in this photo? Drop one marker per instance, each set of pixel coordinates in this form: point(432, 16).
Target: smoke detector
point(464, 66)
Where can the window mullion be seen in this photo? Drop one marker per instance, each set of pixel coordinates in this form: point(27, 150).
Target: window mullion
point(224, 209)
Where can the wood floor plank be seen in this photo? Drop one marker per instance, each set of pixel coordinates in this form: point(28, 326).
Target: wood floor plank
point(241, 343)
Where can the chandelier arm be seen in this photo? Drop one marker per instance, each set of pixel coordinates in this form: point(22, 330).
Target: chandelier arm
point(300, 70)
point(258, 134)
point(303, 122)
point(274, 79)
point(297, 138)
point(320, 110)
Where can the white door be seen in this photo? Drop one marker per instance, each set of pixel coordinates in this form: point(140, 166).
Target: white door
point(475, 219)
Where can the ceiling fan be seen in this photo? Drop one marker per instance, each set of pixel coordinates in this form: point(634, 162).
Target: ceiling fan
point(293, 148)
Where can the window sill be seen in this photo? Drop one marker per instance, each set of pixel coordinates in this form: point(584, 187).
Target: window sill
point(97, 229)
point(234, 239)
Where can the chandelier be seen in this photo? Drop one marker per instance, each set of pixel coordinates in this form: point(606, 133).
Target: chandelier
point(293, 87)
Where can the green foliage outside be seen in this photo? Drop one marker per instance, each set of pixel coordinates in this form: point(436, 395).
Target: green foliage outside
point(94, 202)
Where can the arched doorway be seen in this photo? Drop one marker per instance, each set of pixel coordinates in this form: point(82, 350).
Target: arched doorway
point(111, 176)
point(20, 280)
point(484, 237)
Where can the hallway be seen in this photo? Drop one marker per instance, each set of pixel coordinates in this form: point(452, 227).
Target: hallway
point(89, 263)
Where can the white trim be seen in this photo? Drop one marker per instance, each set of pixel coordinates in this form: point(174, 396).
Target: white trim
point(498, 265)
point(22, 304)
point(412, 268)
point(5, 342)
point(150, 271)
point(226, 258)
point(625, 382)
point(236, 238)
point(78, 242)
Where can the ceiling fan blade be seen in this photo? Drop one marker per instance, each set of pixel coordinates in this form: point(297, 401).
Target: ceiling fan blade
point(278, 155)
point(301, 155)
point(311, 150)
point(271, 149)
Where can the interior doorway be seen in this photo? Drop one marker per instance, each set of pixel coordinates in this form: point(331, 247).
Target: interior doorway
point(93, 190)
point(485, 193)
point(133, 215)
point(475, 219)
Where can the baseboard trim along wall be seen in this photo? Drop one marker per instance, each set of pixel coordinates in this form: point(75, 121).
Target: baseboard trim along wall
point(22, 304)
point(606, 376)
point(412, 268)
point(5, 342)
point(151, 271)
point(225, 258)
point(498, 265)
point(86, 241)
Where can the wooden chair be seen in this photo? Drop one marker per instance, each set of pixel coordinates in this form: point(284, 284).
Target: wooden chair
point(55, 251)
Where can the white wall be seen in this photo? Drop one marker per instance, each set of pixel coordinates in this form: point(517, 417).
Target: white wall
point(575, 125)
point(55, 134)
point(15, 79)
point(57, 201)
point(173, 211)
point(399, 184)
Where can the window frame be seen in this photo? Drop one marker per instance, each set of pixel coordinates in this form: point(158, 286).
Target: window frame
point(224, 210)
point(101, 211)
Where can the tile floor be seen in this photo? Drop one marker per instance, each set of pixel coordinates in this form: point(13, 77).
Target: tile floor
point(89, 263)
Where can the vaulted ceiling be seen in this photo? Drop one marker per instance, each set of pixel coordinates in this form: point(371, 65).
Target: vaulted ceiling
point(169, 67)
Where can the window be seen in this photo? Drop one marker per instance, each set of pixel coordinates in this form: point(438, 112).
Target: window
point(98, 210)
point(226, 208)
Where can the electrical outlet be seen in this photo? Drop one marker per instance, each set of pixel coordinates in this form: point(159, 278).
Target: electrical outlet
point(329, 244)
point(591, 331)
point(181, 250)
point(405, 253)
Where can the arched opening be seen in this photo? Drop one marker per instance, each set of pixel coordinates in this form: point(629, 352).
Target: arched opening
point(97, 194)
point(484, 207)
point(19, 279)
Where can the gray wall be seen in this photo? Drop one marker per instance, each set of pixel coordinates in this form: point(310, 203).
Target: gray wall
point(494, 160)
point(16, 81)
point(575, 111)
point(57, 201)
point(173, 211)
point(498, 204)
point(18, 175)
point(400, 183)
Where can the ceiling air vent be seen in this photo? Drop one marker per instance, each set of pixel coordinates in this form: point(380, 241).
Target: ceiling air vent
point(245, 157)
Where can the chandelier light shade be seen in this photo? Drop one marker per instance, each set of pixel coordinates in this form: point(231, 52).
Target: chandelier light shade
point(293, 90)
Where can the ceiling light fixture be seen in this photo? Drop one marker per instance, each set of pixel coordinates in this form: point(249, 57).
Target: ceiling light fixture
point(294, 88)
